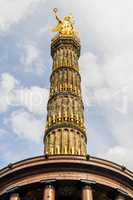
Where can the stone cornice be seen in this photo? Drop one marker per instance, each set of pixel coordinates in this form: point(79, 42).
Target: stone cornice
point(34, 169)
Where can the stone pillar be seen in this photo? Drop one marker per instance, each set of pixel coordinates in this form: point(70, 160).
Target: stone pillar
point(87, 193)
point(14, 196)
point(49, 192)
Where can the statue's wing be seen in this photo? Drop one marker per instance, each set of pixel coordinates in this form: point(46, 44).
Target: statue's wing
point(57, 28)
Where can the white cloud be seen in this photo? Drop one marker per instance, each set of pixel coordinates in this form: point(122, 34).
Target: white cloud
point(120, 155)
point(3, 103)
point(93, 77)
point(31, 59)
point(31, 54)
point(33, 99)
point(25, 125)
point(14, 95)
point(7, 84)
point(13, 11)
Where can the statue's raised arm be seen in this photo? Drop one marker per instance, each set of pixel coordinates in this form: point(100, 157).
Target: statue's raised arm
point(55, 10)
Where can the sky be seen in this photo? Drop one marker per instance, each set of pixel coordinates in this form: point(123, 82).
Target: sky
point(106, 67)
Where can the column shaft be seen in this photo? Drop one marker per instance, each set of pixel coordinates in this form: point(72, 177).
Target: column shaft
point(87, 193)
point(49, 193)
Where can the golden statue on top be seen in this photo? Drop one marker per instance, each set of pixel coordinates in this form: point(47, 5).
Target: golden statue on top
point(64, 27)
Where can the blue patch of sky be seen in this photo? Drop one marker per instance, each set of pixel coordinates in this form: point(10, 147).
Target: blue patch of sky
point(98, 130)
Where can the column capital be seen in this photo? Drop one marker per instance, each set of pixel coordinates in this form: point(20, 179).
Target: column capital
point(87, 183)
point(48, 183)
